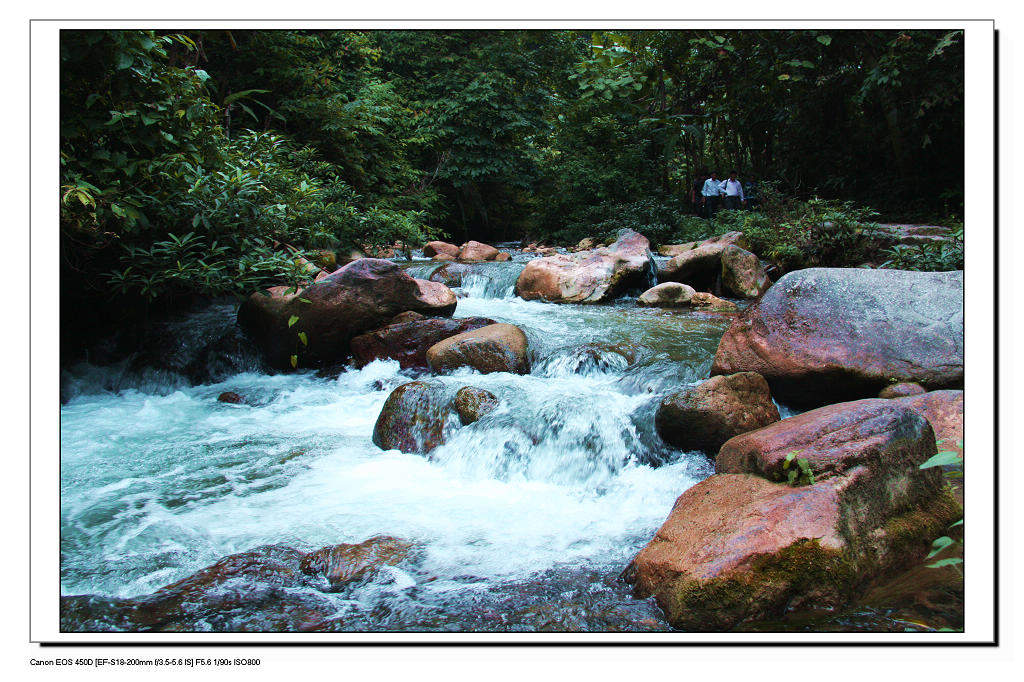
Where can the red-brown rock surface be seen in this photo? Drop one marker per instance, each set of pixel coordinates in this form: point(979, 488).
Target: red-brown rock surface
point(477, 251)
point(589, 276)
point(494, 348)
point(415, 418)
point(407, 341)
point(944, 410)
point(344, 563)
point(705, 416)
point(739, 546)
point(437, 248)
point(361, 296)
point(829, 334)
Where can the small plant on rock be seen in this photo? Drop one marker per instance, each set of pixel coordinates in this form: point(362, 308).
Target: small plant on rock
point(798, 470)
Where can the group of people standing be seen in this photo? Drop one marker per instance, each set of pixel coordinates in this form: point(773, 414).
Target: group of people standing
point(709, 195)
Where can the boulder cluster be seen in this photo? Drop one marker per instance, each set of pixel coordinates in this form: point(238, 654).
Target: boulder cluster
point(801, 512)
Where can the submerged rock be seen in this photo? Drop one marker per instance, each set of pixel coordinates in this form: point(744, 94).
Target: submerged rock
point(592, 276)
point(494, 348)
point(359, 297)
point(408, 340)
point(705, 416)
point(415, 418)
point(826, 334)
point(266, 589)
point(342, 564)
point(230, 397)
point(473, 403)
point(740, 546)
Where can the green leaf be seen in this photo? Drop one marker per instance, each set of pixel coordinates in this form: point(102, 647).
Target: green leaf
point(292, 320)
point(944, 458)
point(295, 361)
point(302, 337)
point(940, 544)
point(956, 523)
point(305, 300)
point(952, 561)
point(825, 40)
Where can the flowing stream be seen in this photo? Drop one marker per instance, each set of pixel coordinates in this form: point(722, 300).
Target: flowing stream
point(521, 521)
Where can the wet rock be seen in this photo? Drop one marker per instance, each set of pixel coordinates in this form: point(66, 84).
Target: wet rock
point(473, 403)
point(585, 244)
point(451, 274)
point(739, 547)
point(359, 297)
point(826, 334)
point(503, 257)
point(443, 257)
point(742, 273)
point(667, 295)
point(437, 248)
point(705, 416)
point(415, 418)
point(476, 251)
point(703, 299)
point(408, 340)
point(272, 588)
point(342, 564)
point(494, 348)
point(901, 390)
point(589, 276)
point(718, 266)
point(859, 437)
point(944, 410)
point(240, 581)
point(230, 397)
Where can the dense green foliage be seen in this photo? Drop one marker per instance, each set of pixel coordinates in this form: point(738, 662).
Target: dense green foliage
point(207, 162)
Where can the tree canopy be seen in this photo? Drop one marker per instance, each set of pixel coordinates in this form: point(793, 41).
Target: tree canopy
point(203, 162)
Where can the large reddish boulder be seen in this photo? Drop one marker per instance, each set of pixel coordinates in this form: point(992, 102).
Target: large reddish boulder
point(743, 546)
point(356, 298)
point(826, 334)
point(944, 410)
point(592, 276)
point(438, 248)
point(476, 251)
point(408, 340)
point(704, 416)
point(416, 418)
point(494, 348)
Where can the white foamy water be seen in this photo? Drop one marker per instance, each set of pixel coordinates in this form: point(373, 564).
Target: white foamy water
point(566, 474)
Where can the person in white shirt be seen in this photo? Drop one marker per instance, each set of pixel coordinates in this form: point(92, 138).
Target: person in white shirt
point(733, 191)
point(709, 196)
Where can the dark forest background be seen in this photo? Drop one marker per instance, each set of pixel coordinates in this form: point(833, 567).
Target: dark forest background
point(200, 163)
